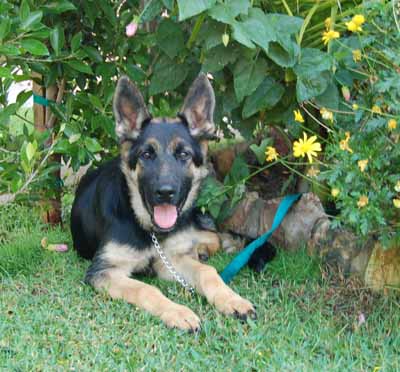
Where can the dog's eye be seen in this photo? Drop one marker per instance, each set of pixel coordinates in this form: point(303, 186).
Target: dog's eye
point(183, 155)
point(146, 155)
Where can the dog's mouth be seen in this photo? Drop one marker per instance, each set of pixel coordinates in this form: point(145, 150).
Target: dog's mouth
point(165, 216)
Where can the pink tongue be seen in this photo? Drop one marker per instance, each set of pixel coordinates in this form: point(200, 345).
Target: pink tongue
point(165, 215)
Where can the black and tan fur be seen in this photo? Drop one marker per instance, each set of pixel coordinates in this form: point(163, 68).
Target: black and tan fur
point(162, 162)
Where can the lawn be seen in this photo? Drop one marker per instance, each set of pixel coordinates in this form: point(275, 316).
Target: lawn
point(307, 320)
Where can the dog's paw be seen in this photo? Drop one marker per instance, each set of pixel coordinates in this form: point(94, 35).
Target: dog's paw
point(233, 304)
point(181, 317)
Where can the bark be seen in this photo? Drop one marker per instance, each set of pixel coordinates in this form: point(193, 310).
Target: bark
point(44, 119)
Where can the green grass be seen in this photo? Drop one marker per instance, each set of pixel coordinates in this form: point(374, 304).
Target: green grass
point(307, 321)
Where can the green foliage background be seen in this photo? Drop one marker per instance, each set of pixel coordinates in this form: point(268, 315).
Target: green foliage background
point(274, 63)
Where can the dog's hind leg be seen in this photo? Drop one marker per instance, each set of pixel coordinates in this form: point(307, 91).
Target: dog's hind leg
point(147, 297)
point(207, 245)
point(208, 282)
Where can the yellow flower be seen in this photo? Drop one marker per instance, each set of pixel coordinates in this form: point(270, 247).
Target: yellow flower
point(362, 164)
point(355, 24)
point(271, 153)
point(298, 116)
point(358, 19)
point(354, 107)
point(397, 186)
point(356, 55)
point(351, 26)
point(363, 201)
point(326, 114)
point(313, 172)
point(328, 23)
point(376, 109)
point(344, 143)
point(335, 192)
point(392, 124)
point(396, 203)
point(306, 146)
point(327, 36)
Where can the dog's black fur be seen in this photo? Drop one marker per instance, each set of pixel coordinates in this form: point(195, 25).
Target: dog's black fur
point(151, 187)
point(102, 210)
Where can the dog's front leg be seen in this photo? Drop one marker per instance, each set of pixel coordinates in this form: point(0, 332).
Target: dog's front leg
point(147, 297)
point(207, 281)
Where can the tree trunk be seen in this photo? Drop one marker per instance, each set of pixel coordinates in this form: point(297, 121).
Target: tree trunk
point(45, 120)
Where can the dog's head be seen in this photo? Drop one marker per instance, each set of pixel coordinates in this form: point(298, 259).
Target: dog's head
point(163, 159)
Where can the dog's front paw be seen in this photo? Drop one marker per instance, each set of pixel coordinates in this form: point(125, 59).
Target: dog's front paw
point(181, 317)
point(233, 304)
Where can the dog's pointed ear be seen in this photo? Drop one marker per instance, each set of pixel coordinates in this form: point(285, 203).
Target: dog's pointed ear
point(198, 108)
point(130, 110)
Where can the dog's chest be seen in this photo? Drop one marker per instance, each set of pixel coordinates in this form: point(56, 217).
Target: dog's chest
point(130, 260)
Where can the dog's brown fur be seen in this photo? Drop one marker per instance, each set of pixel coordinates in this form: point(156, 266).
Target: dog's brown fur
point(118, 257)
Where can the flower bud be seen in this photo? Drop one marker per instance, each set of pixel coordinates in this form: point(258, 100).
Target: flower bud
point(131, 29)
point(225, 39)
point(346, 93)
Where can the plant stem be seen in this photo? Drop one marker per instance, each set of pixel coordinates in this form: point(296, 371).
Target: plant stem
point(196, 30)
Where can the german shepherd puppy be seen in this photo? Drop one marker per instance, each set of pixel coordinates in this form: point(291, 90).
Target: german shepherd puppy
point(152, 187)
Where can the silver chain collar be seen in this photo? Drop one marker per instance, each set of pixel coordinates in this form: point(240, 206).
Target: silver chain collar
point(179, 278)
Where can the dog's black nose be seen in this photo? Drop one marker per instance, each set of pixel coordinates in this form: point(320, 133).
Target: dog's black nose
point(165, 193)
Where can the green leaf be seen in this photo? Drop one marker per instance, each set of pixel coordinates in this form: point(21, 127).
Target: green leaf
point(152, 9)
point(58, 110)
point(170, 38)
point(30, 151)
point(284, 24)
point(330, 98)
point(375, 123)
point(31, 20)
point(106, 70)
point(57, 39)
point(96, 102)
point(217, 58)
point(135, 73)
point(34, 47)
point(167, 75)
point(311, 61)
point(266, 96)
point(259, 150)
point(74, 138)
point(5, 27)
point(257, 29)
point(240, 34)
point(169, 4)
point(41, 34)
point(76, 41)
point(108, 11)
point(238, 172)
point(227, 12)
point(93, 54)
point(5, 72)
point(24, 10)
point(311, 86)
point(281, 56)
point(80, 66)
point(189, 8)
point(7, 111)
point(59, 7)
point(248, 75)
point(210, 34)
point(211, 196)
point(92, 145)
point(9, 50)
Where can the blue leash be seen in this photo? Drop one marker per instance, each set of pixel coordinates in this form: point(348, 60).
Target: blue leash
point(244, 256)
